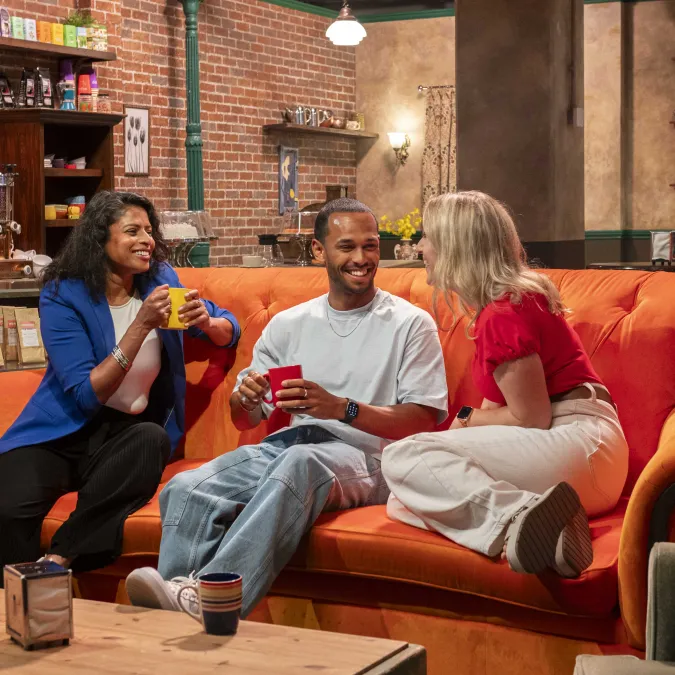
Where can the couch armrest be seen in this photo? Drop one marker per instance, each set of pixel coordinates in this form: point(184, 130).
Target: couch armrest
point(636, 535)
point(661, 603)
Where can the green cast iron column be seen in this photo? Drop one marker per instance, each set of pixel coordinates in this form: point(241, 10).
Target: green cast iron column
point(193, 142)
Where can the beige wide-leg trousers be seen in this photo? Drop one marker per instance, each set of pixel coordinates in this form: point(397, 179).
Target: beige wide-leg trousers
point(467, 484)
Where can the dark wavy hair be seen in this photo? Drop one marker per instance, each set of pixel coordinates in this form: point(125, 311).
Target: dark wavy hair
point(83, 255)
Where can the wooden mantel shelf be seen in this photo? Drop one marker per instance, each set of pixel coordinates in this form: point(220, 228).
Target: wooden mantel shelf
point(55, 50)
point(320, 131)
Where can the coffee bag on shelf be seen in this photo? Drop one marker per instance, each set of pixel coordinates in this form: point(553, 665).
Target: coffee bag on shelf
point(31, 348)
point(44, 88)
point(10, 334)
point(6, 93)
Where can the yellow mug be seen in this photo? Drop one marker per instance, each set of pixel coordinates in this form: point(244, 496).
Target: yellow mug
point(177, 296)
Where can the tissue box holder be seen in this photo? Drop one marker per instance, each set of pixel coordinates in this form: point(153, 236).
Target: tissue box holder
point(39, 604)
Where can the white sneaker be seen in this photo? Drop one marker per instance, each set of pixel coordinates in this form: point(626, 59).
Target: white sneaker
point(552, 532)
point(146, 588)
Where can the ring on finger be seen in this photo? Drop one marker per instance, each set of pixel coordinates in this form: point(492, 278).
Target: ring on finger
point(305, 394)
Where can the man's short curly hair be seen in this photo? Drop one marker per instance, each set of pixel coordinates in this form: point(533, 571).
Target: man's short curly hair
point(342, 205)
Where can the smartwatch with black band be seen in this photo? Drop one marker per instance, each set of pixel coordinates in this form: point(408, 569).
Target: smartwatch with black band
point(351, 412)
point(464, 415)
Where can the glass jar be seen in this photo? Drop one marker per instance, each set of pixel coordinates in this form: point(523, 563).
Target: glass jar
point(269, 250)
point(104, 105)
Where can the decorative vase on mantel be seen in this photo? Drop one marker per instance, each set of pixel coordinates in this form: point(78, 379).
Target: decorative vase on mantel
point(389, 241)
point(406, 250)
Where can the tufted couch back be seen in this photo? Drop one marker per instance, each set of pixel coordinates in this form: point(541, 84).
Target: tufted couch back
point(626, 321)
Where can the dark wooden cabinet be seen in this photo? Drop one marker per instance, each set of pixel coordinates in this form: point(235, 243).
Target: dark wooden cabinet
point(26, 136)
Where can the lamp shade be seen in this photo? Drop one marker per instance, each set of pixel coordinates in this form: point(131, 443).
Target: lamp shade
point(397, 139)
point(346, 31)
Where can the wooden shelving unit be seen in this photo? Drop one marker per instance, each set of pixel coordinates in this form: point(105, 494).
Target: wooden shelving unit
point(61, 222)
point(73, 173)
point(59, 117)
point(316, 131)
point(26, 136)
point(47, 49)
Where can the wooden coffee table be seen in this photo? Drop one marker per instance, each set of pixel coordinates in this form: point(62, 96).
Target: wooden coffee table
point(111, 639)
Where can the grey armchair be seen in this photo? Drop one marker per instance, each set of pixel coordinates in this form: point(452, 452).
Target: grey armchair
point(660, 652)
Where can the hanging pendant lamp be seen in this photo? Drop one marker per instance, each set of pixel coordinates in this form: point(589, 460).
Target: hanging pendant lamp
point(346, 31)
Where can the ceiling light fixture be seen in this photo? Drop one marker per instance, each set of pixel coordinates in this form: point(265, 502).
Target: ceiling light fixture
point(346, 31)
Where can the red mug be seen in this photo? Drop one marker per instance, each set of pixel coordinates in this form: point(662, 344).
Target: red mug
point(276, 376)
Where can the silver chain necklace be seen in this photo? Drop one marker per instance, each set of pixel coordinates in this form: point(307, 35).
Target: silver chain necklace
point(365, 314)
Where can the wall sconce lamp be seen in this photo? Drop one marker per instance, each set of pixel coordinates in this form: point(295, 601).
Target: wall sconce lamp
point(400, 142)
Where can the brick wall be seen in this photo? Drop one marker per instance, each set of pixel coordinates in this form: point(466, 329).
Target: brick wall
point(256, 58)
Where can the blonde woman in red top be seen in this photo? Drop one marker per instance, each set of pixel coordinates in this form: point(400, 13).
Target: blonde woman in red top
point(518, 475)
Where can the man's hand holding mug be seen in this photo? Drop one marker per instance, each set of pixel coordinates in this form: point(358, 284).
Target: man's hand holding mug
point(255, 387)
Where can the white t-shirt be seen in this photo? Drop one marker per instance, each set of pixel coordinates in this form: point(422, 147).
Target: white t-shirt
point(132, 395)
point(390, 354)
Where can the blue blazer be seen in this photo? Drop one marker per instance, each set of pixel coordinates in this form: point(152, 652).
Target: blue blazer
point(78, 334)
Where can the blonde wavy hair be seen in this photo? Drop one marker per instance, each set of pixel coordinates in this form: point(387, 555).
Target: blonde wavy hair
point(479, 254)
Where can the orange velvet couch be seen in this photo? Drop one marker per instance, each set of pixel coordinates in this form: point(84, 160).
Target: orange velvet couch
point(359, 572)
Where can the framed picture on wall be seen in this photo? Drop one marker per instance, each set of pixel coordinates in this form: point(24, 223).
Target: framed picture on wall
point(136, 141)
point(288, 179)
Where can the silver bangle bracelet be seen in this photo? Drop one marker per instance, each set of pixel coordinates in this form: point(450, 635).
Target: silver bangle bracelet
point(122, 360)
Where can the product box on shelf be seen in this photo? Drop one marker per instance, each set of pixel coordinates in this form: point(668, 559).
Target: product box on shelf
point(57, 33)
point(5, 23)
point(100, 38)
point(17, 27)
point(30, 29)
point(44, 31)
point(70, 35)
point(82, 37)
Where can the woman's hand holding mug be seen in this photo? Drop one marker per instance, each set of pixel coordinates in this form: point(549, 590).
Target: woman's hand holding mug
point(155, 310)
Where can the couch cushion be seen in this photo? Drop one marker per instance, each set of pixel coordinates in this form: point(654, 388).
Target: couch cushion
point(17, 387)
point(365, 543)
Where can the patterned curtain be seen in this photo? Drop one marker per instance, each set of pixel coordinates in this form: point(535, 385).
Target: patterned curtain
point(439, 159)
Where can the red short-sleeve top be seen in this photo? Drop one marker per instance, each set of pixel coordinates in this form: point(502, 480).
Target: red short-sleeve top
point(507, 331)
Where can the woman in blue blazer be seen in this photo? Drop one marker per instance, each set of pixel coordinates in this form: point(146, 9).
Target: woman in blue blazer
point(110, 409)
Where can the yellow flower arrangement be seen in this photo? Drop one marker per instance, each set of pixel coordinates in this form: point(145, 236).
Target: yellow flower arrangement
point(405, 227)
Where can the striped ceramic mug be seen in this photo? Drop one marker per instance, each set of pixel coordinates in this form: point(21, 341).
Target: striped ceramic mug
point(219, 602)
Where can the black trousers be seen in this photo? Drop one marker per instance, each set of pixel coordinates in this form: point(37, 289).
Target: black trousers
point(115, 464)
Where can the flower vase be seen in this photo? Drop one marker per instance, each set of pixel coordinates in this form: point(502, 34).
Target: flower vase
point(406, 250)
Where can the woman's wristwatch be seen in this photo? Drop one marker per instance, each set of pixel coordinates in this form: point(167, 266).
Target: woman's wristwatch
point(464, 415)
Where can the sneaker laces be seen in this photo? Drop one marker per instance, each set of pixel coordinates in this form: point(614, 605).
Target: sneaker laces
point(190, 595)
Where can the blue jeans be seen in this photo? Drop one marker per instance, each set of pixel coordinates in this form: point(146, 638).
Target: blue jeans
point(246, 511)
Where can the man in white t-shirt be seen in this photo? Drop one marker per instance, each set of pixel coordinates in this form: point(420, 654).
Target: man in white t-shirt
point(373, 373)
